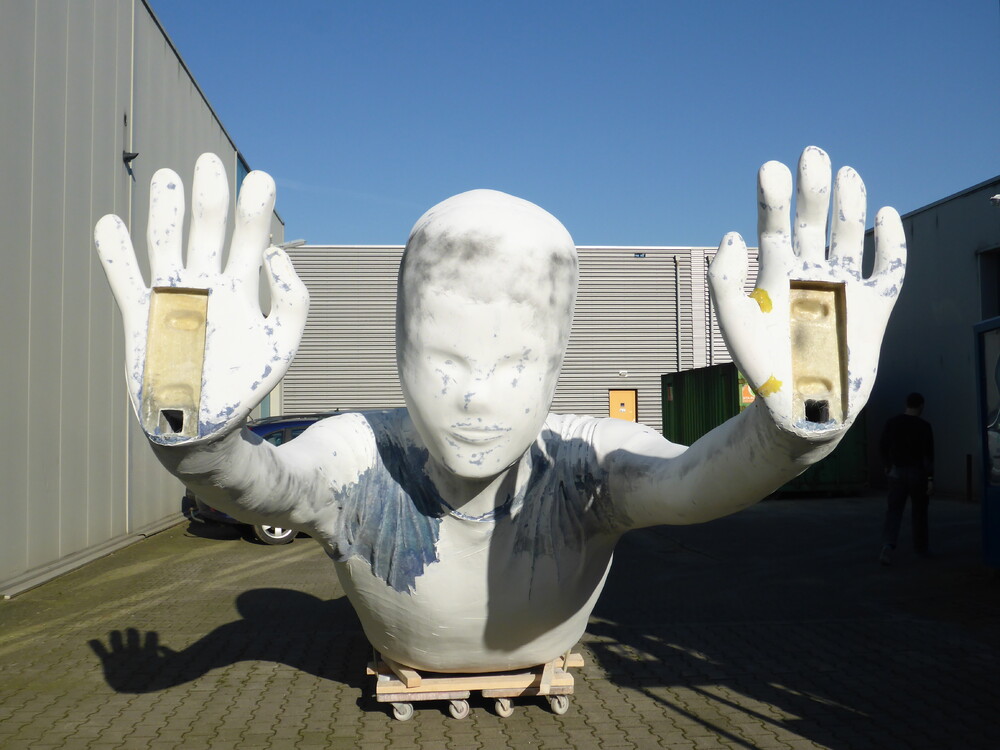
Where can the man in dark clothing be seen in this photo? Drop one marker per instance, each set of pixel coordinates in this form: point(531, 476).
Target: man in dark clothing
point(907, 447)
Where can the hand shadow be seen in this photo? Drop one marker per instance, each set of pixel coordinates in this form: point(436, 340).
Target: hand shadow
point(322, 638)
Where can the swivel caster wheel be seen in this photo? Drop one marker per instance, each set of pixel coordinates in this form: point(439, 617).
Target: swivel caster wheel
point(402, 711)
point(504, 707)
point(559, 704)
point(458, 709)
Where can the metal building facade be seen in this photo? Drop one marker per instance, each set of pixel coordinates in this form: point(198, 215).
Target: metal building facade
point(83, 81)
point(952, 283)
point(640, 312)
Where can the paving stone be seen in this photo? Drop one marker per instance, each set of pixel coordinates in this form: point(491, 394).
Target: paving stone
point(772, 629)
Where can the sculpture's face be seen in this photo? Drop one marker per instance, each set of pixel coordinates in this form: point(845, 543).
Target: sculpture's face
point(478, 378)
point(483, 314)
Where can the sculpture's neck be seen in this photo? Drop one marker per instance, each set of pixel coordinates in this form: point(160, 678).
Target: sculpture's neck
point(474, 498)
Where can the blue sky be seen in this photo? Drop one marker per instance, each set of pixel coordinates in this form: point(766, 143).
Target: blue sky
point(633, 122)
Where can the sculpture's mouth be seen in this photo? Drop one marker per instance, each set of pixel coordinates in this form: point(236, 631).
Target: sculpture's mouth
point(477, 435)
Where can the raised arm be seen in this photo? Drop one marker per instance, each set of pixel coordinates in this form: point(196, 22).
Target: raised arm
point(807, 339)
point(200, 353)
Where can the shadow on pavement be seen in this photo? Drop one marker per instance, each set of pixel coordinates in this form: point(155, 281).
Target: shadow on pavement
point(277, 625)
point(793, 626)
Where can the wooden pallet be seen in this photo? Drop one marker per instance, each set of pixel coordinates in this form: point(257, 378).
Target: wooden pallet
point(402, 686)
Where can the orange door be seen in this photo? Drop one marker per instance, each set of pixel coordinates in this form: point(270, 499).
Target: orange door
point(624, 405)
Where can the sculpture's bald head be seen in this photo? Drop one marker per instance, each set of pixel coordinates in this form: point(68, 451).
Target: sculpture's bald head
point(487, 245)
point(487, 283)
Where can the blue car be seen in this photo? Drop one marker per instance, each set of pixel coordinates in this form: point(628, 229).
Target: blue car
point(275, 430)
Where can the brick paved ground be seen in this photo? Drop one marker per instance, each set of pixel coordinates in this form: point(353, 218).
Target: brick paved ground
point(775, 628)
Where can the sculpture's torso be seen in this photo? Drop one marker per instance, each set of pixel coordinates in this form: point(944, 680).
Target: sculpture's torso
point(438, 590)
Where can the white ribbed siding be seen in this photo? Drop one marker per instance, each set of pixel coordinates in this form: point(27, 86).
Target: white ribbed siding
point(633, 322)
point(347, 358)
point(83, 81)
point(640, 312)
point(716, 352)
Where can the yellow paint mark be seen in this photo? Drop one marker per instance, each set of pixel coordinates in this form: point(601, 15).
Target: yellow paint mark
point(763, 299)
point(773, 385)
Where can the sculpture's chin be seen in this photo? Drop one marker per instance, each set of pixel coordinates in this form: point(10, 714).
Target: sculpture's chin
point(484, 465)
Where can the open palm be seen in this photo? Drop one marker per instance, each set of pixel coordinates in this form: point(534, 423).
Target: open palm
point(810, 388)
point(244, 353)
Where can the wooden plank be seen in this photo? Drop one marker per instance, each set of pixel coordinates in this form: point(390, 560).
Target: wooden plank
point(409, 677)
point(475, 682)
point(548, 672)
point(403, 683)
point(455, 695)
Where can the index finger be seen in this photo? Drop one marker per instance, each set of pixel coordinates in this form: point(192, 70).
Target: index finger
point(774, 200)
point(890, 252)
point(166, 221)
point(812, 204)
point(209, 210)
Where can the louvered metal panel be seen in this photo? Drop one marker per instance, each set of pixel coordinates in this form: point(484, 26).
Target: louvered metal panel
point(640, 312)
point(347, 358)
point(82, 81)
point(718, 353)
point(632, 311)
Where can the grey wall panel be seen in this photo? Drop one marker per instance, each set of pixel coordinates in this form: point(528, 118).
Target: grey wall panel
point(700, 345)
point(623, 303)
point(60, 160)
point(17, 53)
point(717, 353)
point(929, 344)
point(110, 192)
point(347, 357)
point(636, 313)
point(71, 456)
point(77, 262)
point(49, 117)
point(172, 125)
point(640, 315)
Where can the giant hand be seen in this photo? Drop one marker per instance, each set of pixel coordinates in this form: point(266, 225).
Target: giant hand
point(199, 352)
point(808, 337)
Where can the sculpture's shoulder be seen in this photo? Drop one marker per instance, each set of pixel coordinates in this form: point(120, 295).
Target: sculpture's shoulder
point(568, 475)
point(594, 437)
point(356, 439)
point(371, 422)
point(391, 430)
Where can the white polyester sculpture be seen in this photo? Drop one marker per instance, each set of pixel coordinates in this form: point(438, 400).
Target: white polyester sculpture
point(473, 530)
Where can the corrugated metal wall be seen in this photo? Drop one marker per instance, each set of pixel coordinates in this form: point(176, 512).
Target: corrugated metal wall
point(633, 321)
point(640, 312)
point(82, 81)
point(347, 359)
point(66, 80)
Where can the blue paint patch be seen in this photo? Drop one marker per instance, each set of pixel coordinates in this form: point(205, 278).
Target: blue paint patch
point(565, 501)
point(391, 516)
point(208, 428)
point(566, 493)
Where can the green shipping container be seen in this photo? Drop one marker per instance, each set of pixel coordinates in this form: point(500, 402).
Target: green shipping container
point(697, 401)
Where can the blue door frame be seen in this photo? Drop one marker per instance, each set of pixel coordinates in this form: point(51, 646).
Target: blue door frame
point(988, 393)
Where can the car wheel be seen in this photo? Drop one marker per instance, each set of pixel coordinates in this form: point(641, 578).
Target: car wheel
point(273, 534)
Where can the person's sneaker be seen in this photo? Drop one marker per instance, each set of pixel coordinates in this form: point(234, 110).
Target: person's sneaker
point(885, 557)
